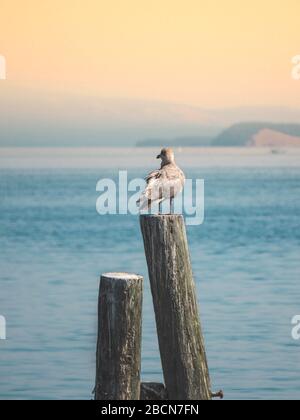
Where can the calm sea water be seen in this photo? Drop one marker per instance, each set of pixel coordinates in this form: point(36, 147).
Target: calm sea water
point(54, 246)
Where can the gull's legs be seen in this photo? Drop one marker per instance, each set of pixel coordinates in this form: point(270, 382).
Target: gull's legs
point(171, 205)
point(172, 195)
point(160, 203)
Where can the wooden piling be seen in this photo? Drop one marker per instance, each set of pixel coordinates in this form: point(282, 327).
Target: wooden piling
point(119, 337)
point(178, 325)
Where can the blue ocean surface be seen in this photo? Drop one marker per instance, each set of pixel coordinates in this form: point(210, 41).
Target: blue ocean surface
point(54, 246)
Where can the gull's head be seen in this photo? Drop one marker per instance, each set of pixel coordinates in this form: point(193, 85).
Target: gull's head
point(167, 156)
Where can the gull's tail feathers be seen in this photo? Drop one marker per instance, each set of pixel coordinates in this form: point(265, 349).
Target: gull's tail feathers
point(145, 203)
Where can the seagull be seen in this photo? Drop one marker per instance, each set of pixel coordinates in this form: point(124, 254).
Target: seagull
point(164, 183)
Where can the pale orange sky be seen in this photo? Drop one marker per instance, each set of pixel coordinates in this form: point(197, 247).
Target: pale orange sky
point(209, 53)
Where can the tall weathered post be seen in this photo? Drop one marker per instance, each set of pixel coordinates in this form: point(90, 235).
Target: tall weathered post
point(177, 318)
point(119, 337)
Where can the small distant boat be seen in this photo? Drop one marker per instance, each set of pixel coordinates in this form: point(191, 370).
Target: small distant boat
point(278, 152)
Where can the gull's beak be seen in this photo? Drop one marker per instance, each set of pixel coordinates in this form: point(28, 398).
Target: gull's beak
point(158, 157)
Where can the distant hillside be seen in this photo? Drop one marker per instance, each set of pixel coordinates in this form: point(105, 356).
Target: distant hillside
point(270, 138)
point(190, 141)
point(239, 135)
point(259, 134)
point(42, 118)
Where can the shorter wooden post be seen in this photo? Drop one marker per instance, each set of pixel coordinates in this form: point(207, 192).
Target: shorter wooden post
point(119, 337)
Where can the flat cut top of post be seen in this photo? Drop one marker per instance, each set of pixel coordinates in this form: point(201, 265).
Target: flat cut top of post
point(121, 276)
point(161, 216)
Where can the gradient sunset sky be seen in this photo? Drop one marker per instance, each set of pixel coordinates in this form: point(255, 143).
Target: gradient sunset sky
point(209, 53)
